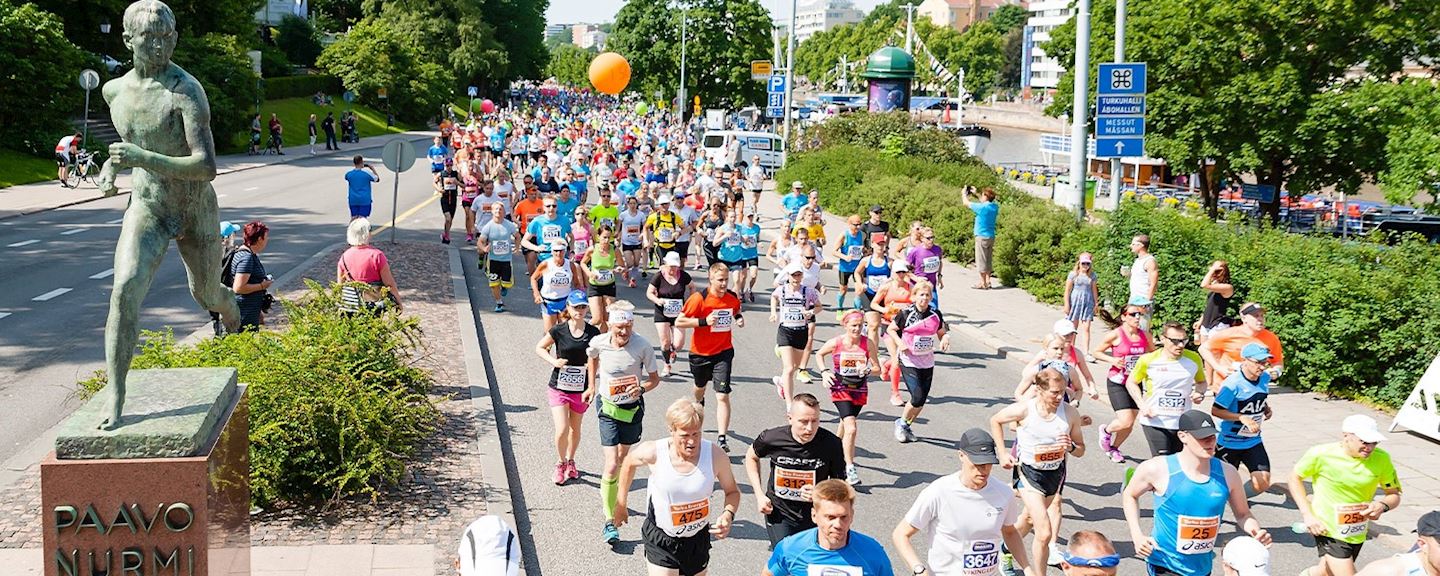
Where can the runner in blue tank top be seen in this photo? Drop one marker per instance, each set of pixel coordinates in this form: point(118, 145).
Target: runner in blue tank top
point(849, 251)
point(1191, 489)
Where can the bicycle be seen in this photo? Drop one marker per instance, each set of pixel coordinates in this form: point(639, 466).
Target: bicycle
point(254, 148)
point(273, 147)
point(83, 168)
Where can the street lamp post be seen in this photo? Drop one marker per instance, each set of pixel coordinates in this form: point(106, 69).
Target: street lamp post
point(1116, 167)
point(789, 78)
point(1075, 200)
point(684, 37)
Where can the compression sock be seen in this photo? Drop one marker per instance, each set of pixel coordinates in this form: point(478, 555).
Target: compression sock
point(609, 493)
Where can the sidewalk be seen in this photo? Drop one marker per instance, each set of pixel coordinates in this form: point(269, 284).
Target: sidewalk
point(42, 196)
point(1011, 322)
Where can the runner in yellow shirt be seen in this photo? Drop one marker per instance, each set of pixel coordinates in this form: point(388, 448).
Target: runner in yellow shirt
point(1345, 476)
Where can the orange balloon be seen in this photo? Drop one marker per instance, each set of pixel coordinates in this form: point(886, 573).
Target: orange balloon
point(609, 73)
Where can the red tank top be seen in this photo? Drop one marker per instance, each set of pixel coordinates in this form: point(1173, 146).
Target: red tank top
point(849, 363)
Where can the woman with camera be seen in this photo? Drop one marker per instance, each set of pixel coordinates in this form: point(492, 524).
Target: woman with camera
point(251, 282)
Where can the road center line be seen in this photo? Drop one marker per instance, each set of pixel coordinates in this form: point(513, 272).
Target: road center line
point(105, 274)
point(25, 243)
point(116, 221)
point(73, 231)
point(252, 188)
point(51, 294)
point(4, 314)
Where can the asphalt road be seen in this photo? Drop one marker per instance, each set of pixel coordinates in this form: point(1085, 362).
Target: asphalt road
point(56, 266)
point(560, 526)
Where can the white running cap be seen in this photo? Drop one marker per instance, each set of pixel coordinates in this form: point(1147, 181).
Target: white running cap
point(1363, 427)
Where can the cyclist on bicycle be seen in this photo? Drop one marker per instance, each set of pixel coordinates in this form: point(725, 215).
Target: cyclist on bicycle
point(255, 134)
point(65, 153)
point(275, 130)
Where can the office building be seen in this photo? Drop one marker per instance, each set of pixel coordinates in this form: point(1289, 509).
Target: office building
point(815, 16)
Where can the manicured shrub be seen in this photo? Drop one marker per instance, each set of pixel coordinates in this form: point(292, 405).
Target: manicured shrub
point(337, 404)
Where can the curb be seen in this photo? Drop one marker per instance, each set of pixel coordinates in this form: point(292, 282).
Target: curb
point(222, 172)
point(499, 500)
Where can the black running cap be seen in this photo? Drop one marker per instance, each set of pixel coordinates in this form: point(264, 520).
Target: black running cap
point(978, 445)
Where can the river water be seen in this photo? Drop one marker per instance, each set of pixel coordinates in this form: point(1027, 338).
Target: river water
point(1014, 145)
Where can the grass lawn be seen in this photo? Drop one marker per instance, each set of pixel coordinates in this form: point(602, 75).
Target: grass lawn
point(21, 168)
point(295, 113)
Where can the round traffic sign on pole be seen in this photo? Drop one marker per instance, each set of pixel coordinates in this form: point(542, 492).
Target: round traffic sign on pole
point(398, 155)
point(89, 79)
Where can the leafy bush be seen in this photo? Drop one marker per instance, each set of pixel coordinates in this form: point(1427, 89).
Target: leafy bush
point(274, 63)
point(895, 133)
point(336, 402)
point(1357, 319)
point(302, 86)
point(1030, 249)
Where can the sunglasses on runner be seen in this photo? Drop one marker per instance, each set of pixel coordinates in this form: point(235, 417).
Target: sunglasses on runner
point(1136, 314)
point(1110, 561)
point(1176, 341)
point(549, 205)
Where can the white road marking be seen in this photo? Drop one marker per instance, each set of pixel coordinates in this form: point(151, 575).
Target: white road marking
point(221, 195)
point(51, 294)
point(105, 274)
point(25, 243)
point(252, 188)
point(116, 221)
point(73, 231)
point(4, 314)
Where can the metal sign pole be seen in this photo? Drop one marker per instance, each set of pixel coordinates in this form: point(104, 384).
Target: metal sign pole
point(394, 206)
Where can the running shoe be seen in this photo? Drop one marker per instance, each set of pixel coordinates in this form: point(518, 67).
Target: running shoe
point(900, 430)
point(1106, 439)
point(1116, 456)
point(724, 444)
point(610, 534)
point(560, 474)
point(805, 375)
point(469, 238)
point(896, 400)
point(752, 296)
point(444, 237)
point(1007, 563)
point(499, 307)
point(852, 476)
point(1089, 358)
point(571, 471)
point(665, 372)
point(1055, 555)
point(909, 432)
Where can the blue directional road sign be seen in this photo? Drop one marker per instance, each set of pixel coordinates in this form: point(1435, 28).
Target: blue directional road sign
point(776, 84)
point(1117, 147)
point(1112, 126)
point(1119, 105)
point(775, 112)
point(1122, 79)
point(1263, 193)
point(775, 100)
point(473, 91)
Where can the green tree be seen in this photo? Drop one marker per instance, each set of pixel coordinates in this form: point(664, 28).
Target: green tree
point(570, 64)
point(723, 37)
point(1412, 149)
point(1259, 87)
point(1012, 63)
point(336, 15)
point(374, 56)
point(193, 18)
point(297, 39)
point(1009, 17)
point(979, 50)
point(38, 66)
point(219, 62)
point(486, 43)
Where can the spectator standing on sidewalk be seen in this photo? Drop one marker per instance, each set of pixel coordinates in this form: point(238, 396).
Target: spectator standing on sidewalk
point(1082, 293)
point(1144, 275)
point(364, 263)
point(310, 128)
point(328, 125)
point(985, 211)
point(359, 182)
point(251, 282)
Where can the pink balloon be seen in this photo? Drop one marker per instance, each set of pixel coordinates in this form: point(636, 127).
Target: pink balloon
point(487, 106)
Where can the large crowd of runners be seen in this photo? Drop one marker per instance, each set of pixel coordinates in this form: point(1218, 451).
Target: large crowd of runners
point(586, 198)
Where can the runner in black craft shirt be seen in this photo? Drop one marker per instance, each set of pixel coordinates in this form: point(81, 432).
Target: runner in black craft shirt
point(801, 455)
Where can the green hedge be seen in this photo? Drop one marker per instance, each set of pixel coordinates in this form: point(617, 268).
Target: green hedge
point(302, 86)
point(1357, 319)
point(337, 405)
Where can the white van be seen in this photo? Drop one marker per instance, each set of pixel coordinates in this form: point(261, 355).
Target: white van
point(769, 147)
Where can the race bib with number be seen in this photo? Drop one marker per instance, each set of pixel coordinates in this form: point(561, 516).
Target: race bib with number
point(854, 252)
point(604, 276)
point(980, 558)
point(750, 241)
point(610, 223)
point(1196, 534)
point(672, 307)
point(632, 232)
point(923, 344)
point(623, 389)
point(852, 364)
point(724, 319)
point(1350, 520)
point(792, 316)
point(561, 278)
point(665, 234)
point(689, 517)
point(930, 265)
point(789, 483)
point(1244, 431)
point(580, 245)
point(570, 379)
point(550, 232)
point(1171, 403)
point(732, 241)
point(501, 248)
point(1049, 456)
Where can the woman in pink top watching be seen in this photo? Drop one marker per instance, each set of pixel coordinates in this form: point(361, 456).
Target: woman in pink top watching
point(362, 262)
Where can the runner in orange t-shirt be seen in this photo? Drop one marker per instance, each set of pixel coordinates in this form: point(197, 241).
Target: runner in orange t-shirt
point(1222, 350)
point(713, 314)
point(526, 209)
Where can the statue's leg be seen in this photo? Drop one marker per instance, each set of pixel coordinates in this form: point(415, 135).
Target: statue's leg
point(137, 255)
point(200, 250)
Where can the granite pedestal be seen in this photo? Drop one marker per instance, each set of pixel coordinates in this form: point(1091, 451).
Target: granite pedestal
point(167, 493)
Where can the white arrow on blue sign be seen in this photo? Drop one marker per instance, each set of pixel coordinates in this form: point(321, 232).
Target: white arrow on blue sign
point(473, 91)
point(1118, 147)
point(1122, 78)
point(1108, 126)
point(776, 83)
point(775, 100)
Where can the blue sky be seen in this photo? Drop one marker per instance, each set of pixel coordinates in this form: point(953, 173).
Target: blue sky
point(597, 11)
